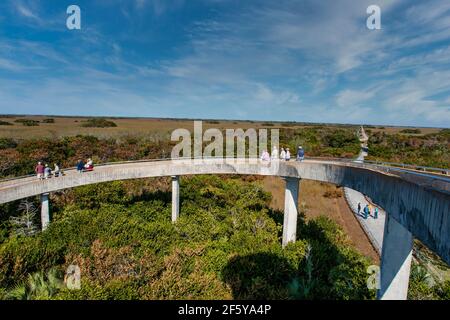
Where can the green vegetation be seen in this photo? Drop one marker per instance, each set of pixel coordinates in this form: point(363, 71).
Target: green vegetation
point(423, 287)
point(411, 131)
point(322, 141)
point(27, 122)
point(37, 287)
point(6, 143)
point(432, 150)
point(226, 244)
point(98, 123)
point(5, 123)
point(20, 157)
point(49, 120)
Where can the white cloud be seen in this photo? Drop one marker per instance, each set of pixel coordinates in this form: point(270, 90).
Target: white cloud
point(352, 98)
point(10, 65)
point(26, 11)
point(275, 97)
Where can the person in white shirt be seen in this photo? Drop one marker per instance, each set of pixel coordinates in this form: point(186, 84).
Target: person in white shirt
point(274, 153)
point(282, 154)
point(57, 171)
point(47, 172)
point(89, 165)
point(288, 155)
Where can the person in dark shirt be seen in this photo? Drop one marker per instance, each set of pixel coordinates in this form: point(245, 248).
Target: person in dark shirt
point(300, 154)
point(80, 166)
point(366, 211)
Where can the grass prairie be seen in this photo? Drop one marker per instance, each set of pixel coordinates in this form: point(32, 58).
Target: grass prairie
point(72, 126)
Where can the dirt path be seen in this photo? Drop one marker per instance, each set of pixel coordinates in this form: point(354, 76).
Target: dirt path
point(315, 199)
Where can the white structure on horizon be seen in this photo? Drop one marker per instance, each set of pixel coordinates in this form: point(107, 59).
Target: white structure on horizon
point(364, 139)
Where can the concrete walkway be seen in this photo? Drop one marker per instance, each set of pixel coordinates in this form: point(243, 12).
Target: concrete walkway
point(374, 228)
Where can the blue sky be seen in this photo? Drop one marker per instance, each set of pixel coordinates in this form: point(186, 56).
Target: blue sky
point(308, 60)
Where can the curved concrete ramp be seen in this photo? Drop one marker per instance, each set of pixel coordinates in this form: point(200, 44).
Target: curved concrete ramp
point(419, 203)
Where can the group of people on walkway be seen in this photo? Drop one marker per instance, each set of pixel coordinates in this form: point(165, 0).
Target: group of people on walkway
point(45, 172)
point(367, 210)
point(284, 155)
point(88, 166)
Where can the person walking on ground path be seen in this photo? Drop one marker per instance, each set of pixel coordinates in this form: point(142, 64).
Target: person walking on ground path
point(282, 154)
point(300, 154)
point(275, 153)
point(366, 211)
point(359, 207)
point(288, 155)
point(39, 170)
point(375, 213)
point(80, 166)
point(47, 171)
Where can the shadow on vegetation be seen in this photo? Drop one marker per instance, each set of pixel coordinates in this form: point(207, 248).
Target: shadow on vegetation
point(258, 276)
point(316, 267)
point(163, 196)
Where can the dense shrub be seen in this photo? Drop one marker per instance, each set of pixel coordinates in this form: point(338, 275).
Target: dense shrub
point(226, 244)
point(339, 138)
point(27, 122)
point(411, 131)
point(92, 196)
point(98, 123)
point(6, 143)
point(20, 157)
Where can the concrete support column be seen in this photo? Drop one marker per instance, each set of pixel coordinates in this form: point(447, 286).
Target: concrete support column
point(175, 198)
point(45, 211)
point(395, 261)
point(290, 210)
